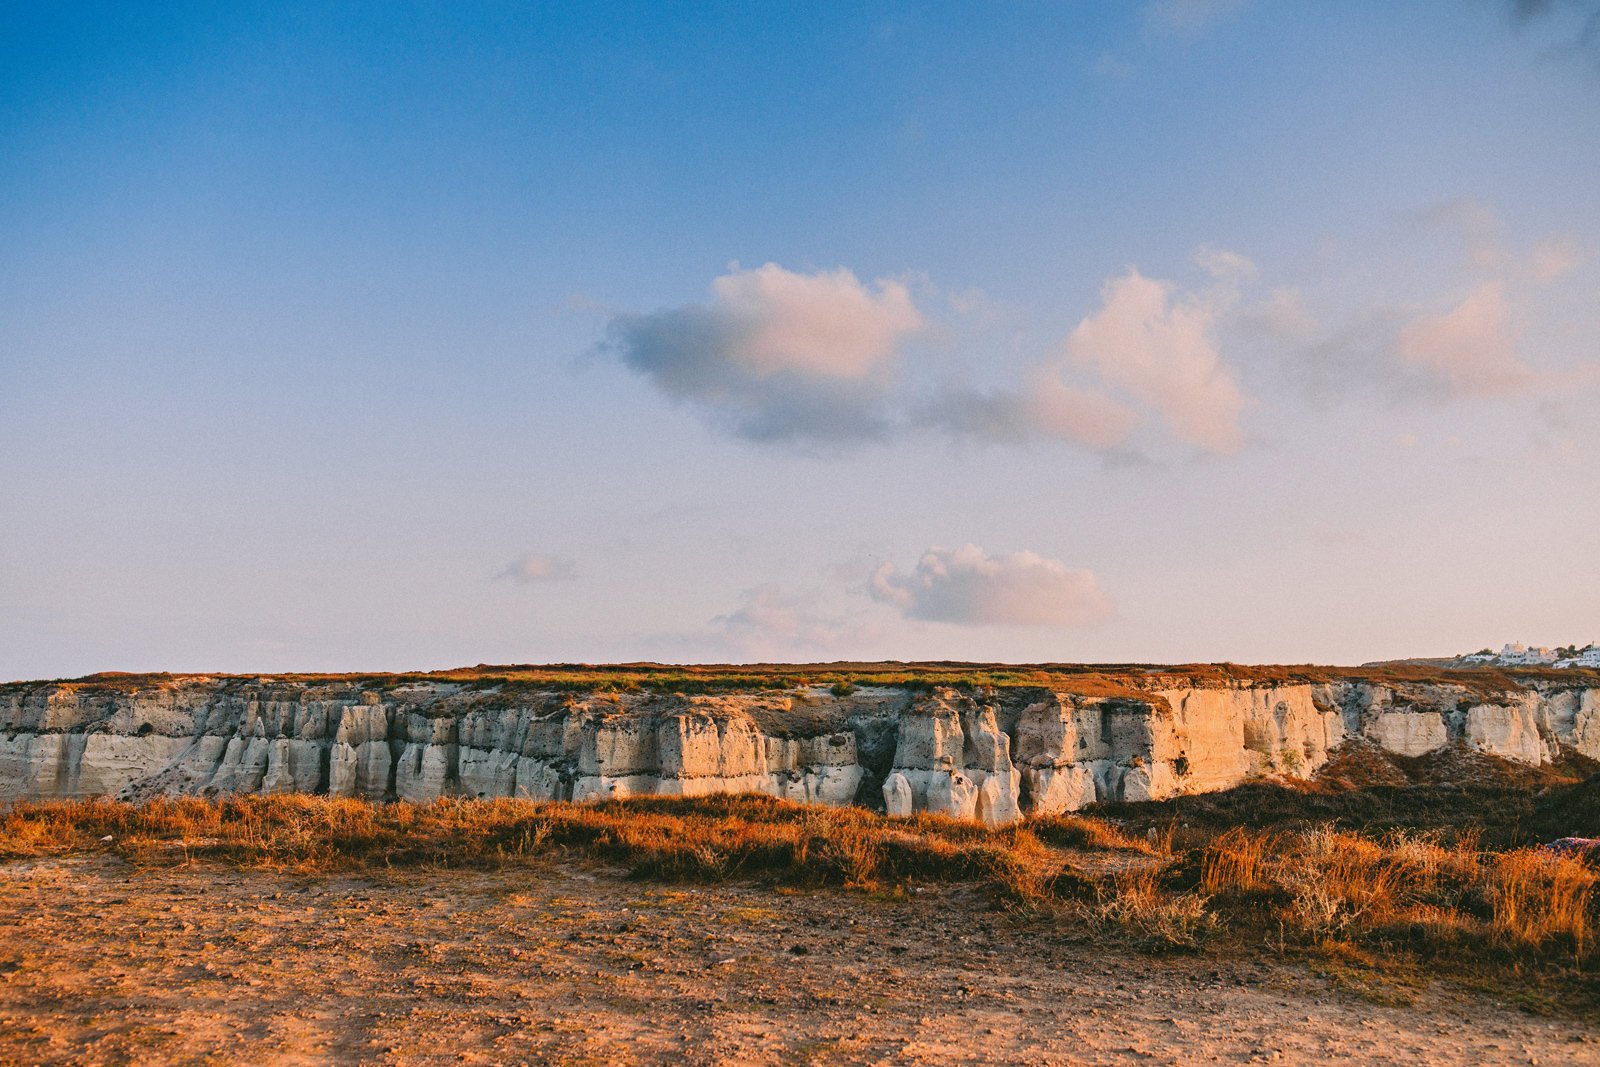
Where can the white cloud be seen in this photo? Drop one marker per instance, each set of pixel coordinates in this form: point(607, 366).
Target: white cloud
point(1470, 349)
point(1557, 256)
point(1475, 223)
point(1070, 413)
point(1157, 347)
point(1483, 234)
point(1223, 264)
point(1282, 316)
point(969, 587)
point(777, 354)
point(533, 567)
point(1189, 16)
point(1149, 344)
point(1047, 410)
point(781, 356)
point(1352, 360)
point(770, 625)
point(1575, 26)
point(826, 325)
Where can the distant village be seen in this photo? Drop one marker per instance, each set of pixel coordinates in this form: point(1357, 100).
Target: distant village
point(1518, 654)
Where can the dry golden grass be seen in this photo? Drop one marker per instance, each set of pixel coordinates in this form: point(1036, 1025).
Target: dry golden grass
point(1234, 862)
point(1422, 890)
point(1082, 832)
point(1540, 898)
point(705, 839)
point(1443, 897)
point(1141, 901)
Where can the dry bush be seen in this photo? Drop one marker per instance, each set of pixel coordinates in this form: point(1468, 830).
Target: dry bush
point(1235, 862)
point(1336, 880)
point(1541, 898)
point(1139, 902)
point(1429, 893)
point(1431, 928)
point(1083, 832)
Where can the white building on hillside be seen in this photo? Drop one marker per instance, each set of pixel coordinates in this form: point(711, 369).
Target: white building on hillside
point(1518, 654)
point(1588, 657)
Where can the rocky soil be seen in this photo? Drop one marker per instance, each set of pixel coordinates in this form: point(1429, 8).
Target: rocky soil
point(101, 962)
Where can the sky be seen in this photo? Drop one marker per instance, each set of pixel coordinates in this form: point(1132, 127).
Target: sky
point(401, 336)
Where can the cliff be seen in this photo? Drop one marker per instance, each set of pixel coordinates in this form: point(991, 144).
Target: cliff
point(977, 750)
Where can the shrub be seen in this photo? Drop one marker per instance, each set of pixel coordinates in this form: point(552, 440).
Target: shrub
point(1235, 862)
point(1540, 897)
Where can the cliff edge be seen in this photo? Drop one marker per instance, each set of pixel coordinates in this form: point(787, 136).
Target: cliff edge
point(956, 742)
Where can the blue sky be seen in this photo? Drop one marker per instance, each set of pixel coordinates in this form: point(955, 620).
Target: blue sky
point(411, 335)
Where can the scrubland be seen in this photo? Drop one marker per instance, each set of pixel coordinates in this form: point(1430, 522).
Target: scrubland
point(1439, 895)
point(1407, 912)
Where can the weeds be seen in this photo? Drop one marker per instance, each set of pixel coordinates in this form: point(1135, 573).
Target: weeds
point(1141, 903)
point(1083, 832)
point(1235, 862)
point(1431, 895)
point(1539, 898)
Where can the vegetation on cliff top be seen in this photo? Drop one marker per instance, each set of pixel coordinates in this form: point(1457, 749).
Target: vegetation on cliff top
point(1087, 679)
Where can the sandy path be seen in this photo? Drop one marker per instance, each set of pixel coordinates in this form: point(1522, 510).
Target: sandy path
point(102, 963)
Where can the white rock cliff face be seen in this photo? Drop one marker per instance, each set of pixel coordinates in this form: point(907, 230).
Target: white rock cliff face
point(986, 754)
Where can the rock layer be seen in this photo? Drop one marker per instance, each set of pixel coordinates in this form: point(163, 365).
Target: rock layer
point(990, 754)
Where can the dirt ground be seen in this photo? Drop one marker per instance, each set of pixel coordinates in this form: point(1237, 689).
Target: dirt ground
point(103, 963)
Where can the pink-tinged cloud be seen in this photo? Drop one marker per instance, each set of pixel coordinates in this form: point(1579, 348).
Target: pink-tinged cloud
point(1479, 227)
point(1047, 409)
point(1470, 349)
point(1157, 346)
point(768, 624)
point(533, 567)
point(826, 324)
point(1282, 316)
point(1072, 413)
point(778, 354)
point(968, 587)
point(1555, 257)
